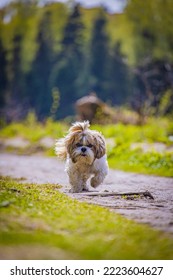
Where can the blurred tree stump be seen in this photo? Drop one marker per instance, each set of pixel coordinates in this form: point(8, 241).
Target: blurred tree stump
point(91, 108)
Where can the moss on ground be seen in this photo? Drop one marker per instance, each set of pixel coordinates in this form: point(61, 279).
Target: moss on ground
point(40, 215)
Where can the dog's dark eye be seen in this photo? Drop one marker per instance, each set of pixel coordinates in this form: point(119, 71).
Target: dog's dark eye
point(89, 146)
point(78, 145)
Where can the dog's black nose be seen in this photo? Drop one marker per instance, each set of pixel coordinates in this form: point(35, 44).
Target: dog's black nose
point(83, 149)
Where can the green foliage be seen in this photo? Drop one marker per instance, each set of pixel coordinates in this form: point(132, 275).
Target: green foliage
point(122, 157)
point(79, 50)
point(129, 147)
point(34, 131)
point(40, 215)
point(165, 103)
point(155, 130)
point(120, 29)
point(152, 21)
point(144, 157)
point(54, 51)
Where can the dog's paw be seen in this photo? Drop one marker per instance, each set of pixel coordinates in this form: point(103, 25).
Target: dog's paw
point(86, 189)
point(94, 182)
point(75, 190)
point(72, 190)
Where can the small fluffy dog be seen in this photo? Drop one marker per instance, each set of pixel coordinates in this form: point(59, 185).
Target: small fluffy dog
point(85, 153)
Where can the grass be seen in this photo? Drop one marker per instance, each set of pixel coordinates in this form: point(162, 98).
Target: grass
point(155, 130)
point(122, 156)
point(41, 216)
point(120, 152)
point(34, 131)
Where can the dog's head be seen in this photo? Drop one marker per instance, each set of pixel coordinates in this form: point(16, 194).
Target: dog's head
point(83, 144)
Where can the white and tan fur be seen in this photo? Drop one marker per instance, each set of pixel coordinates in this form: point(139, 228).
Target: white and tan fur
point(85, 153)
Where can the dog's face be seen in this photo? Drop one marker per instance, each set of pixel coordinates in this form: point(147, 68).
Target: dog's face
point(85, 146)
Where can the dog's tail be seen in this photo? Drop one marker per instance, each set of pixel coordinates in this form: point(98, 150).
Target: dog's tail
point(60, 149)
point(79, 126)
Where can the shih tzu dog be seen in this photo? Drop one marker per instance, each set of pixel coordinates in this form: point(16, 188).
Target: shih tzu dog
point(85, 153)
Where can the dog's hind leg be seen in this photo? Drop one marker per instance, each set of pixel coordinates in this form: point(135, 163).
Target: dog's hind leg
point(97, 179)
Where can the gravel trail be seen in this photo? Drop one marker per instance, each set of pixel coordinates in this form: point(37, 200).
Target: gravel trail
point(158, 213)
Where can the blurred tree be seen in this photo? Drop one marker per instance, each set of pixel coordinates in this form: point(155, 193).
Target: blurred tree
point(16, 75)
point(14, 29)
point(152, 25)
point(119, 80)
point(69, 66)
point(38, 84)
point(152, 80)
point(99, 57)
point(3, 74)
point(72, 41)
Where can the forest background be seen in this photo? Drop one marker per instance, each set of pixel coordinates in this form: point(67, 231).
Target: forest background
point(51, 55)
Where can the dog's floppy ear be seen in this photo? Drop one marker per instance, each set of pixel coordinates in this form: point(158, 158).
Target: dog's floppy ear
point(69, 144)
point(100, 145)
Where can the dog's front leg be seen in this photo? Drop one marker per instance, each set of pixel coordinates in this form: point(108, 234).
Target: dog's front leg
point(74, 178)
point(78, 183)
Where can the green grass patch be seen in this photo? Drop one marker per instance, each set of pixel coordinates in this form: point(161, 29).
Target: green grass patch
point(33, 131)
point(155, 130)
point(120, 153)
point(122, 156)
point(40, 215)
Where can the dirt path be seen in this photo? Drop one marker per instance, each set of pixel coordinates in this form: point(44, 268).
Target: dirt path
point(158, 212)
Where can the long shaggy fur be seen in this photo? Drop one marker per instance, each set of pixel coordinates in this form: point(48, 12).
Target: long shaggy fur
point(61, 144)
point(85, 153)
point(79, 127)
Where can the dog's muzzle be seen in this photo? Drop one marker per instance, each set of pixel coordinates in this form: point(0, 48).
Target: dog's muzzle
point(83, 150)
